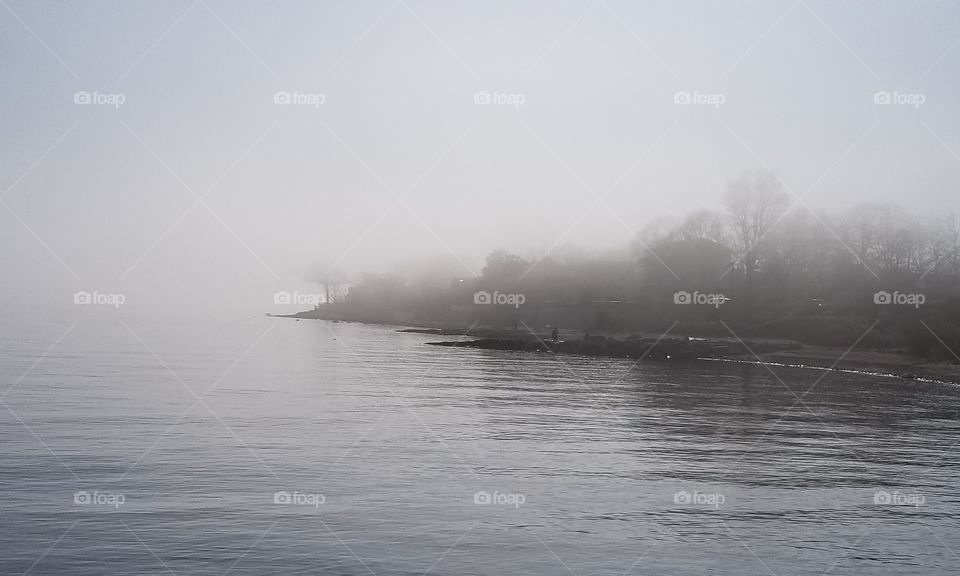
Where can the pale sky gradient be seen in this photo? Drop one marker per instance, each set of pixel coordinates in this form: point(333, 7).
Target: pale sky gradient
point(97, 194)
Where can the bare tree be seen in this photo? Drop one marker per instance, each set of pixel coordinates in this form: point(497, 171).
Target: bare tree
point(701, 225)
point(330, 279)
point(754, 202)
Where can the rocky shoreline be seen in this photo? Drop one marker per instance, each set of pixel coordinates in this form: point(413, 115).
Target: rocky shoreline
point(686, 349)
point(635, 347)
point(889, 364)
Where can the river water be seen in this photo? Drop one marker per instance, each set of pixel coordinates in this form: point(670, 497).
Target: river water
point(273, 446)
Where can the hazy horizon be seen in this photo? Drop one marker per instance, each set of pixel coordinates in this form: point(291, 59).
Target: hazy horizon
point(101, 196)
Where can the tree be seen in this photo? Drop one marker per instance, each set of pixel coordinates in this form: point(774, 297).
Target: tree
point(701, 225)
point(330, 279)
point(502, 266)
point(755, 202)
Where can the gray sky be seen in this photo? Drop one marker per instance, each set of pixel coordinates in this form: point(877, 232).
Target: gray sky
point(101, 196)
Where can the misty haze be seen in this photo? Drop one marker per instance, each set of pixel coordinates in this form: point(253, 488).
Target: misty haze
point(420, 287)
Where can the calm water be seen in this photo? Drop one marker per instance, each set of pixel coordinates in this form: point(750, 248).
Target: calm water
point(166, 456)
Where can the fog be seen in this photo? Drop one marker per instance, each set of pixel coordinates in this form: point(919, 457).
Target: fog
point(198, 157)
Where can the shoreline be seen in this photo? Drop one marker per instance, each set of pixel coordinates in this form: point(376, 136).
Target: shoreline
point(785, 353)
